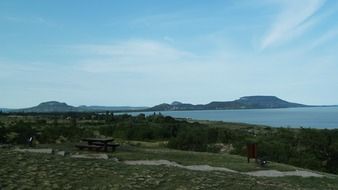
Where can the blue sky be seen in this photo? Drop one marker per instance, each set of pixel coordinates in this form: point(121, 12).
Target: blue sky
point(149, 52)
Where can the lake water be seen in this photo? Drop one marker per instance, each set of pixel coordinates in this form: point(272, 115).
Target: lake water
point(315, 117)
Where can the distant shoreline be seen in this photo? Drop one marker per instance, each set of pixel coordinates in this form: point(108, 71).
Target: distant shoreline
point(319, 117)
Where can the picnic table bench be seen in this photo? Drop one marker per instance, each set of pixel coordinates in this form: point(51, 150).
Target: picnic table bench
point(98, 144)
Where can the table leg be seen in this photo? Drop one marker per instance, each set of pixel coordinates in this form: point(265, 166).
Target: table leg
point(105, 146)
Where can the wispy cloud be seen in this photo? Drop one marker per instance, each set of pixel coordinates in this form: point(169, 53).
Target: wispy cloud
point(295, 18)
point(30, 20)
point(324, 38)
point(133, 48)
point(130, 54)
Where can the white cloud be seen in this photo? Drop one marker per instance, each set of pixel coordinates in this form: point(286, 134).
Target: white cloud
point(324, 38)
point(130, 55)
point(26, 19)
point(133, 48)
point(30, 20)
point(294, 19)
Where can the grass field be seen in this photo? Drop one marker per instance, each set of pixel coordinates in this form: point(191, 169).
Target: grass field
point(138, 150)
point(45, 171)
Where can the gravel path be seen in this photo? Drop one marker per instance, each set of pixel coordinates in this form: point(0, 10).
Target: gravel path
point(262, 173)
point(35, 150)
point(275, 173)
point(169, 163)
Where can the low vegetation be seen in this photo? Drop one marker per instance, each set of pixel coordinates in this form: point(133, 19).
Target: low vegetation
point(47, 171)
point(308, 148)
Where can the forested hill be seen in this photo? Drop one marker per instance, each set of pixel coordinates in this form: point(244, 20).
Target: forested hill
point(3, 109)
point(54, 106)
point(246, 102)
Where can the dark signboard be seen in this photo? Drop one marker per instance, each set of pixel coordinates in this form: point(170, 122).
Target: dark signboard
point(251, 151)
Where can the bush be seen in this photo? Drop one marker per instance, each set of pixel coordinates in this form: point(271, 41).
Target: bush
point(190, 139)
point(215, 148)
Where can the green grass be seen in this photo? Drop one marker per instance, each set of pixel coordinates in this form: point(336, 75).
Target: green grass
point(138, 150)
point(233, 162)
point(41, 171)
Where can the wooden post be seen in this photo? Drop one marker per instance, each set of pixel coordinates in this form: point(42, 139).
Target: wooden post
point(251, 151)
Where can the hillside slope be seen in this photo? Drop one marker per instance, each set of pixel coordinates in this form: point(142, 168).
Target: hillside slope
point(246, 102)
point(54, 106)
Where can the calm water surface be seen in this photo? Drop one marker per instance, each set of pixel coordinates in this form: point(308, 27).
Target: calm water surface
point(316, 117)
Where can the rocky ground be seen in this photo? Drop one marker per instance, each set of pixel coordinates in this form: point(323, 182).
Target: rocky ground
point(22, 169)
point(262, 173)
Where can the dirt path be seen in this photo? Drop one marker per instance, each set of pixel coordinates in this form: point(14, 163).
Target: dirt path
point(262, 173)
point(169, 163)
point(275, 173)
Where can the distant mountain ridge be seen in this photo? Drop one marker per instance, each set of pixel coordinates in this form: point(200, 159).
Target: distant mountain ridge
point(54, 106)
point(110, 108)
point(4, 109)
point(246, 102)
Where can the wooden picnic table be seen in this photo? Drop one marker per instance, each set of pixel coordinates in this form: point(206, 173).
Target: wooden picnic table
point(97, 144)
